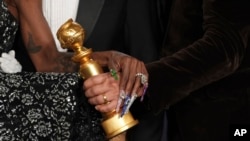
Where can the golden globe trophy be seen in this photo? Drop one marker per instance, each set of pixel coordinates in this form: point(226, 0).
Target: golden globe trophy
point(71, 36)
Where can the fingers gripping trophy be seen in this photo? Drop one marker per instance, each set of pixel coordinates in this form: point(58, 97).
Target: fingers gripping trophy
point(71, 36)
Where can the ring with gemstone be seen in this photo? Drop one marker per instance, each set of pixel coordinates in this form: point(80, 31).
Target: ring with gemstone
point(143, 77)
point(144, 82)
point(114, 74)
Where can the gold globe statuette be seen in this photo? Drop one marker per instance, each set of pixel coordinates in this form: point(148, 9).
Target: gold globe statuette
point(71, 36)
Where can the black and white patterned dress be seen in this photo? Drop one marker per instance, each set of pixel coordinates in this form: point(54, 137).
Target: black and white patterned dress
point(42, 106)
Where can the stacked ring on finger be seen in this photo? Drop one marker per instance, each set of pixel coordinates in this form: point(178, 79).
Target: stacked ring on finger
point(143, 77)
point(144, 82)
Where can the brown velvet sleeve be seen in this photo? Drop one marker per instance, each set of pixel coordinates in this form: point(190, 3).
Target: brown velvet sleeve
point(217, 54)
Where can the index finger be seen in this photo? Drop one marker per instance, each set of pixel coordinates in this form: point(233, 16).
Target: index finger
point(94, 80)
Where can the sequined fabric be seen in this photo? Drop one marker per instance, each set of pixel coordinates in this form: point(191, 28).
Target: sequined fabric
point(8, 28)
point(43, 106)
point(46, 106)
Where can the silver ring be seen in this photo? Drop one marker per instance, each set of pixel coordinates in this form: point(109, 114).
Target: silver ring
point(144, 79)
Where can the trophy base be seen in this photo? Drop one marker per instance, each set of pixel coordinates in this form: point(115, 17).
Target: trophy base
point(116, 125)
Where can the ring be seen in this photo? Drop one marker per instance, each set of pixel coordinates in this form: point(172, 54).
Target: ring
point(144, 82)
point(113, 74)
point(144, 79)
point(105, 99)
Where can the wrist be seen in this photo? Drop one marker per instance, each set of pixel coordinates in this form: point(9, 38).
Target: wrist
point(102, 57)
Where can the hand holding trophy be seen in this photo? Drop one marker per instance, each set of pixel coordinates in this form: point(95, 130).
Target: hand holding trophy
point(71, 36)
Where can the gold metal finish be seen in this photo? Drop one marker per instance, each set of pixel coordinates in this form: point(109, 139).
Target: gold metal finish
point(71, 36)
point(105, 99)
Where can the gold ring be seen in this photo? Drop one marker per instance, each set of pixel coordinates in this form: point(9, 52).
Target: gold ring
point(105, 99)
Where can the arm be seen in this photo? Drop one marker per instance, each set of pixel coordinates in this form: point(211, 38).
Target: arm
point(217, 54)
point(39, 41)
